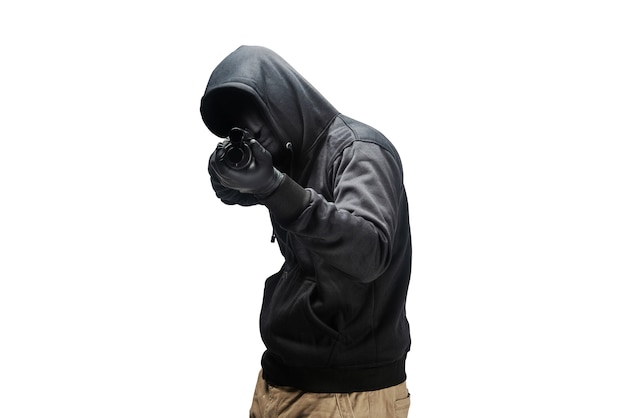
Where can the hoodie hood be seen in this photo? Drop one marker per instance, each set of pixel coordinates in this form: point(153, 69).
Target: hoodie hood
point(294, 110)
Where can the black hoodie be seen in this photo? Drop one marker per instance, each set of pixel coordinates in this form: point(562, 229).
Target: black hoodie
point(333, 318)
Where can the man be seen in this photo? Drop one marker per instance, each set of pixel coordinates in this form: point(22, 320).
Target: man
point(333, 318)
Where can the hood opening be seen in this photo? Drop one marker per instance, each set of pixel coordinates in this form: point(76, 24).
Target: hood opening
point(221, 107)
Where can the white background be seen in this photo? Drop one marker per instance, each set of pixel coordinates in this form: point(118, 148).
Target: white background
point(128, 290)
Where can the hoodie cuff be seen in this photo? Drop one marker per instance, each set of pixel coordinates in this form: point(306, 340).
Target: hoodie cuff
point(288, 201)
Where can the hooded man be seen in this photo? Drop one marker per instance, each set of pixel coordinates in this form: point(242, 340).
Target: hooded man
point(333, 319)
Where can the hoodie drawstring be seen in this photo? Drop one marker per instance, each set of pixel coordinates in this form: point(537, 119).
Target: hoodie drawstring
point(289, 147)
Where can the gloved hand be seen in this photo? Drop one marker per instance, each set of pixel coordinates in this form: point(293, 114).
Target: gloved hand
point(230, 196)
point(260, 178)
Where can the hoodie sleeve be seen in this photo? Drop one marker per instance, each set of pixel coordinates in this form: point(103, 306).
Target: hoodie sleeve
point(355, 232)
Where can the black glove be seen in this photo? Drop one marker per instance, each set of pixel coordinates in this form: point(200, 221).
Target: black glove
point(230, 196)
point(260, 178)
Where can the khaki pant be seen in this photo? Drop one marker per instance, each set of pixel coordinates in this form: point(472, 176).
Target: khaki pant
point(285, 402)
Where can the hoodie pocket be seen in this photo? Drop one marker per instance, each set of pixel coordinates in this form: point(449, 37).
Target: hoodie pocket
point(289, 326)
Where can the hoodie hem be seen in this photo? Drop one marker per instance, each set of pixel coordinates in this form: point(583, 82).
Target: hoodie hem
point(334, 380)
